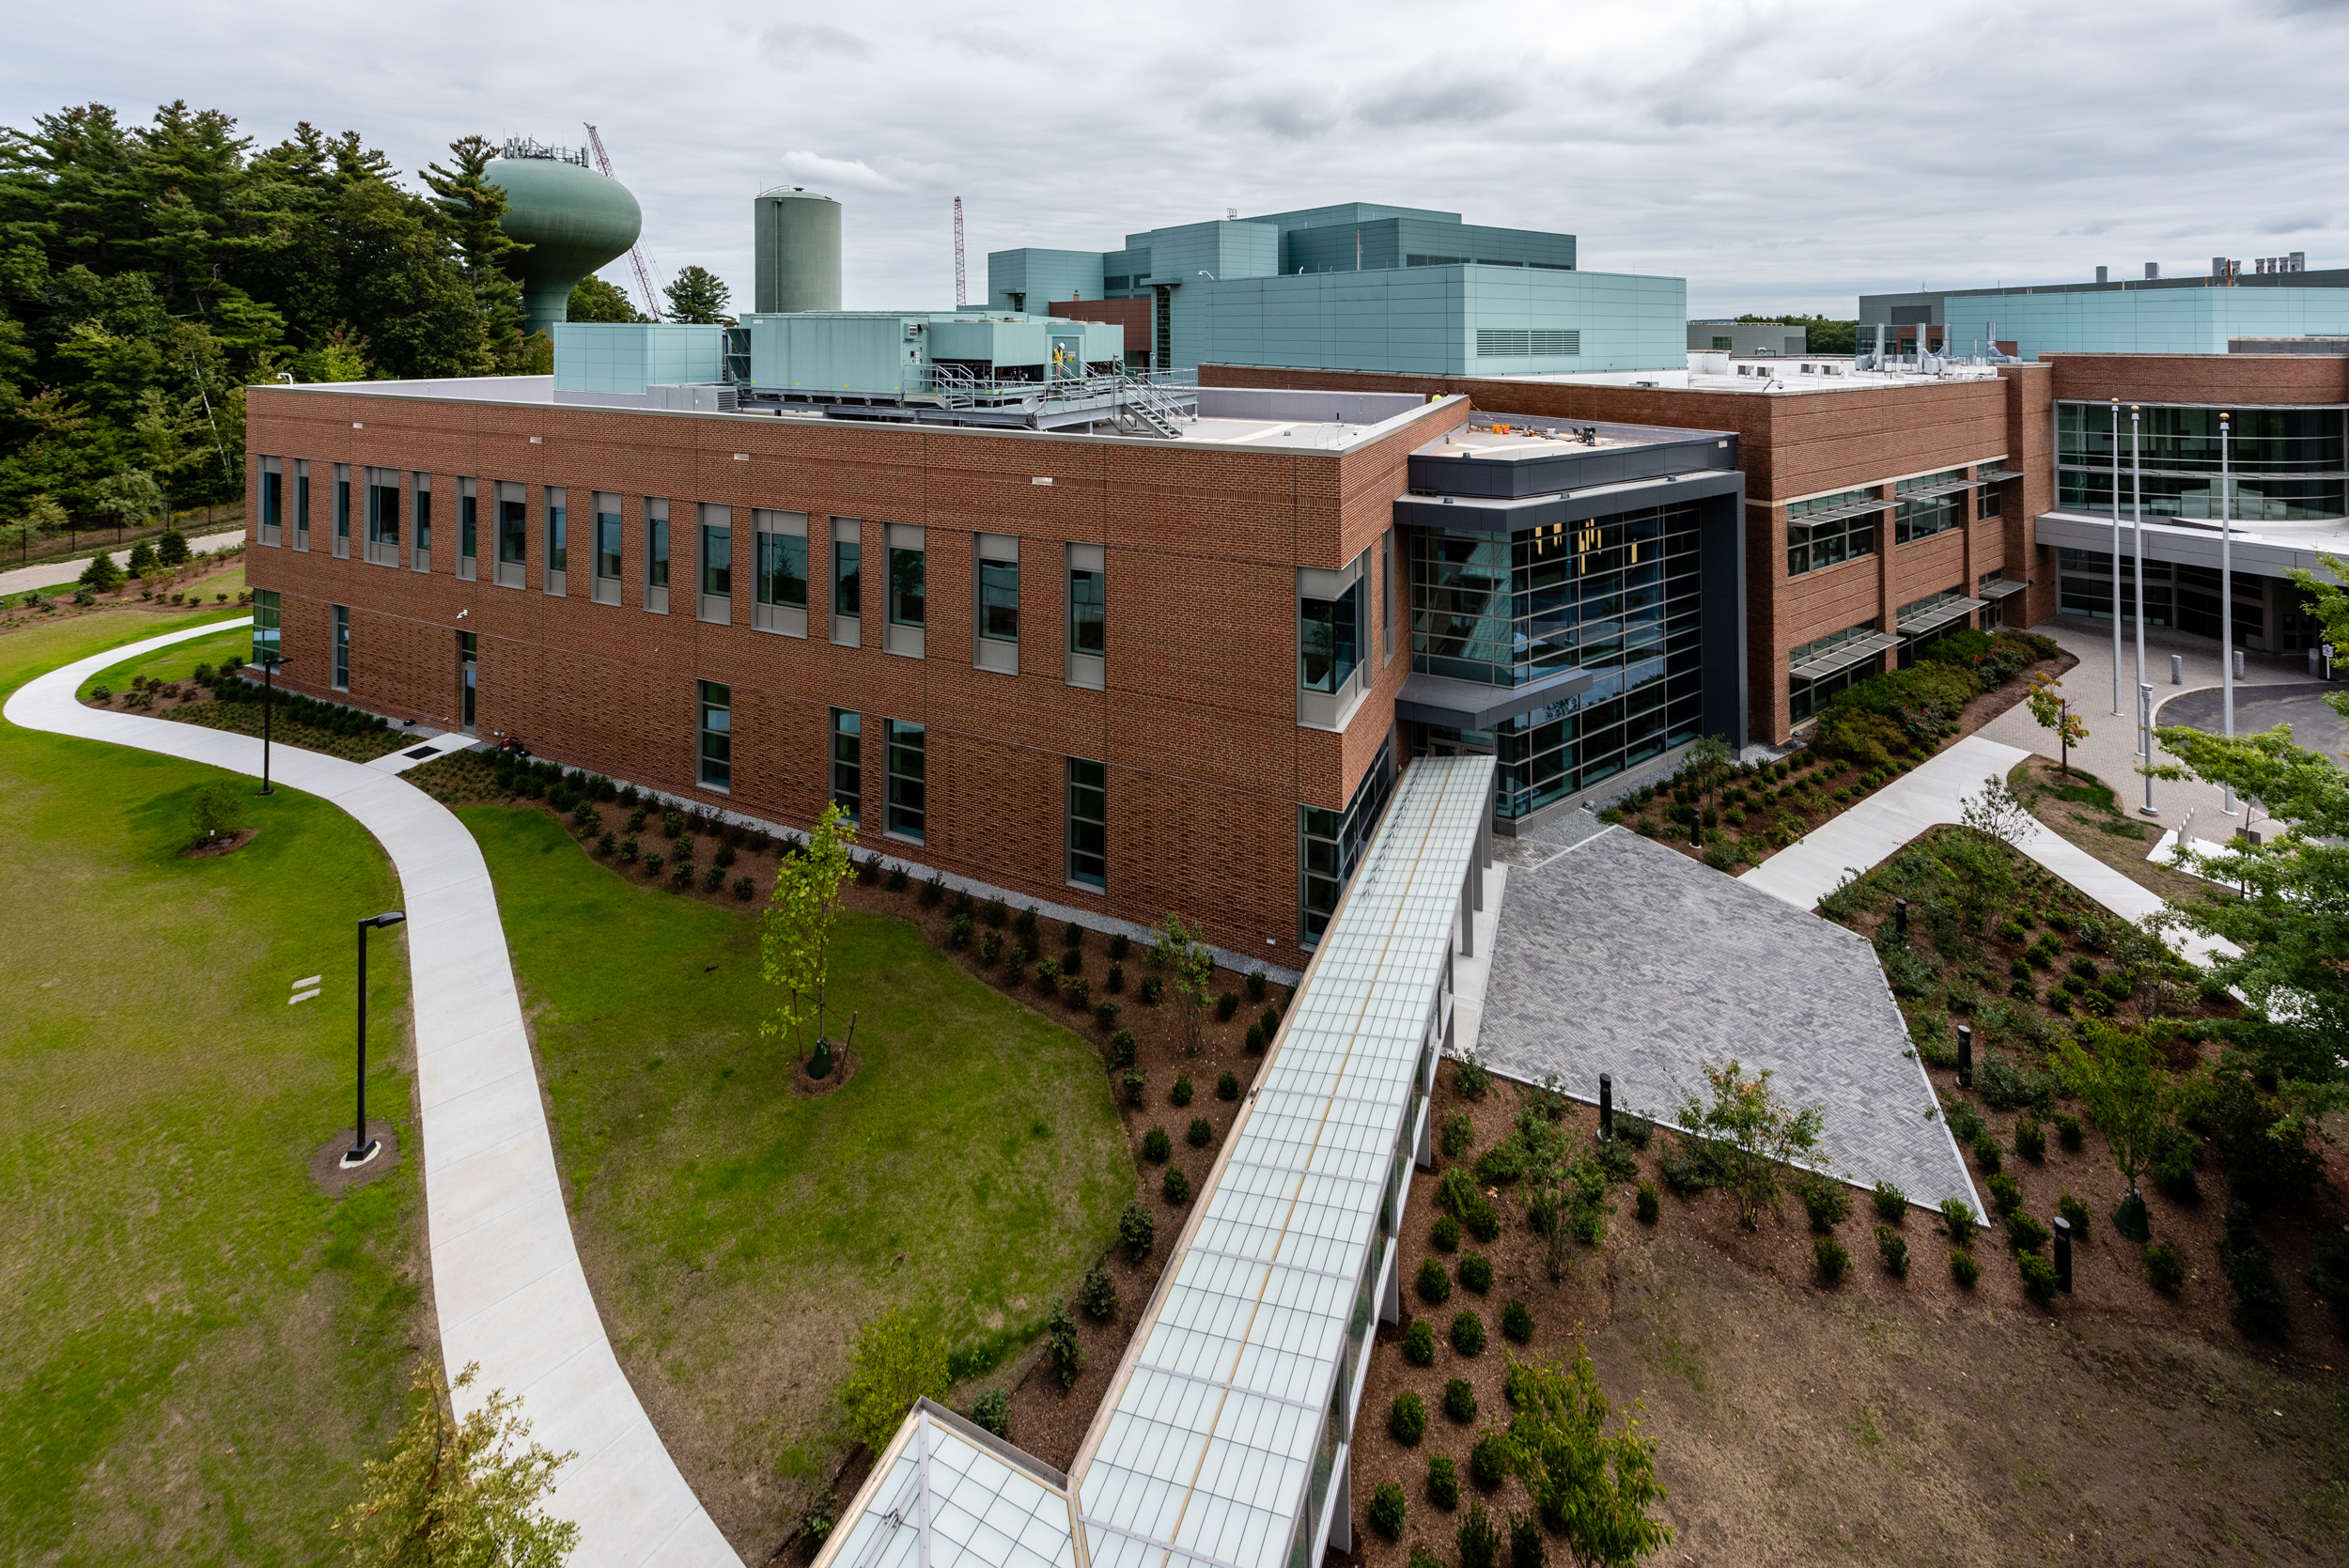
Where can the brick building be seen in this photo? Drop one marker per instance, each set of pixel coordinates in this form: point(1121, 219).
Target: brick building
point(1117, 674)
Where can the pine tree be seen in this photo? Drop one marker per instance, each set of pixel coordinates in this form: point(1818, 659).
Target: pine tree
point(699, 296)
point(595, 299)
point(474, 206)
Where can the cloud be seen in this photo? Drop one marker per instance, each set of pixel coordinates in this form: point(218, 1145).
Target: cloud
point(2299, 225)
point(792, 44)
point(854, 173)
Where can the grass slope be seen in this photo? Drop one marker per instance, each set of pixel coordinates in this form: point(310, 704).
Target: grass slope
point(179, 661)
point(737, 1235)
point(201, 1345)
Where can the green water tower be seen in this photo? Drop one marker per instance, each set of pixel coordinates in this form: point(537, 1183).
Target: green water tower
point(573, 219)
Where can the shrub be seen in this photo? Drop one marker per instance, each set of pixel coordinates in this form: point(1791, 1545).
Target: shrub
point(1114, 982)
point(1182, 1091)
point(959, 930)
point(2068, 1131)
point(1072, 960)
point(1156, 1147)
point(1443, 1490)
point(1470, 1076)
point(1225, 1005)
point(1966, 1122)
point(1650, 1207)
point(2163, 1269)
point(725, 856)
point(1834, 1260)
point(991, 1412)
point(652, 863)
point(681, 875)
point(2039, 1277)
point(1477, 1538)
point(1254, 1039)
point(1120, 944)
point(1517, 1322)
point(2250, 1265)
point(1137, 1232)
point(1446, 1235)
point(1227, 1086)
point(895, 1363)
point(714, 878)
point(1964, 1266)
point(1826, 1202)
point(1072, 936)
point(1634, 1130)
point(1387, 1510)
point(1122, 1048)
point(1489, 1460)
point(1151, 990)
point(1137, 1083)
point(628, 849)
point(1097, 1295)
point(1066, 1351)
point(995, 912)
point(1407, 1419)
point(1468, 1333)
point(1176, 1187)
point(1476, 1273)
point(1200, 1132)
point(744, 889)
point(2025, 1234)
point(2006, 1194)
point(1024, 923)
point(2075, 1214)
point(1893, 1249)
point(1419, 1343)
point(1460, 1400)
point(1987, 1153)
point(1958, 1218)
point(1527, 1549)
point(606, 842)
point(1433, 1284)
point(2031, 1140)
point(1890, 1201)
point(1046, 976)
point(1105, 1015)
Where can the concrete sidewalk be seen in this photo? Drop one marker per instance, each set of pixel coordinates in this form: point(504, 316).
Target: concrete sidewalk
point(506, 1275)
point(23, 580)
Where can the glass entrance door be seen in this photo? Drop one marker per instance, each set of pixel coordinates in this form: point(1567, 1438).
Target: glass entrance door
point(467, 668)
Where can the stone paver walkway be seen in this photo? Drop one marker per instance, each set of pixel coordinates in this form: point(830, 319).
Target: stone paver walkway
point(1627, 957)
point(505, 1275)
point(49, 574)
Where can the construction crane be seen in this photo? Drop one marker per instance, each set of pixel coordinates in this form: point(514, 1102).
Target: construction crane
point(636, 257)
point(962, 292)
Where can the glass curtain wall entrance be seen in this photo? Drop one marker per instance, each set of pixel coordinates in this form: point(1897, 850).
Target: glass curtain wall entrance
point(2290, 465)
point(1615, 596)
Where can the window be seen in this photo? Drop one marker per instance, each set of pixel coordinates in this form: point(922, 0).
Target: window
point(1722, 344)
point(2289, 465)
point(909, 806)
point(468, 670)
point(342, 509)
point(1386, 595)
point(847, 764)
point(656, 554)
point(1328, 636)
point(909, 604)
point(717, 564)
point(1989, 501)
point(468, 528)
point(2179, 594)
point(342, 648)
point(1329, 844)
point(848, 581)
point(998, 616)
point(605, 587)
point(1809, 695)
point(384, 516)
point(513, 533)
point(272, 499)
point(1088, 616)
point(1830, 529)
point(1088, 823)
point(420, 510)
point(1921, 515)
point(554, 572)
point(264, 624)
point(782, 572)
point(717, 735)
point(302, 503)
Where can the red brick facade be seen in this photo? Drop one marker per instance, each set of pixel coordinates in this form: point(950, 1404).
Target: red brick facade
point(1814, 443)
point(1207, 762)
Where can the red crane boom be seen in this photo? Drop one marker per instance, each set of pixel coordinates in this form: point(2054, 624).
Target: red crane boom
point(635, 253)
point(961, 290)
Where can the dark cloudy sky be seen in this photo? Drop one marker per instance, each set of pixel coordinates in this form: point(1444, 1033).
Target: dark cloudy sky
point(1778, 156)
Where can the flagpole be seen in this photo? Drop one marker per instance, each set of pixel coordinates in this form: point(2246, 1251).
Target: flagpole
point(2226, 590)
point(2116, 557)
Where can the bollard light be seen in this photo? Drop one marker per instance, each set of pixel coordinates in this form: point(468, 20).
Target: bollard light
point(1965, 1056)
point(2063, 1254)
point(1607, 1105)
point(1899, 917)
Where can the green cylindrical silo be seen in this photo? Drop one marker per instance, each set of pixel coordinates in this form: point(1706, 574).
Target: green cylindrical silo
point(796, 236)
point(573, 219)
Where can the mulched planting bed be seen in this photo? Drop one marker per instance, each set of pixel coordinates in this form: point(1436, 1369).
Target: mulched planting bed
point(1752, 812)
point(1047, 1420)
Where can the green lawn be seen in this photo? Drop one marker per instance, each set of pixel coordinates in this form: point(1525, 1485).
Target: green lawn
point(179, 660)
point(737, 1235)
point(201, 1345)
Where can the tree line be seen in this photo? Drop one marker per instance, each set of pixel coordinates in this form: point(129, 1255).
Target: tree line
point(148, 273)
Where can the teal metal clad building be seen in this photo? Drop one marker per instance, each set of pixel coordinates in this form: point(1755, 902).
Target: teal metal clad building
point(1363, 287)
point(2152, 315)
point(626, 357)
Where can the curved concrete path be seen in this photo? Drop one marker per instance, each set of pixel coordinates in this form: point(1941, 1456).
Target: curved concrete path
point(505, 1277)
point(50, 573)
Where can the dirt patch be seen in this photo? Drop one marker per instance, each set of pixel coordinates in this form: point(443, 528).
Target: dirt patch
point(326, 1166)
point(2086, 813)
point(844, 1066)
point(213, 848)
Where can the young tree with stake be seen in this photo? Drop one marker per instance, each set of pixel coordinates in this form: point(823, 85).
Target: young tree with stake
point(2053, 709)
point(2124, 1086)
point(795, 937)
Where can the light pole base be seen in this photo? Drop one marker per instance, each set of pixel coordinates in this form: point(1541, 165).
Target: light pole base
point(354, 1158)
point(2149, 811)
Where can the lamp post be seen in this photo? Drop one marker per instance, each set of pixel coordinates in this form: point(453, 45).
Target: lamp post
point(2226, 591)
point(2136, 510)
point(2116, 557)
point(362, 1147)
point(269, 663)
